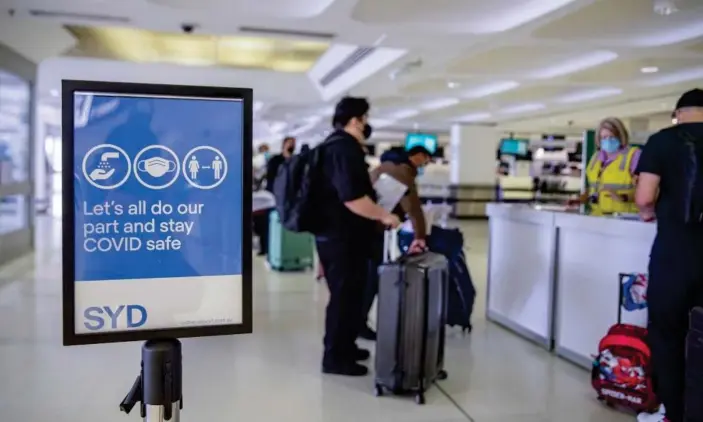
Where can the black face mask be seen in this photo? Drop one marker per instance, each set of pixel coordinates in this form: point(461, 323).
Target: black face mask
point(290, 150)
point(368, 130)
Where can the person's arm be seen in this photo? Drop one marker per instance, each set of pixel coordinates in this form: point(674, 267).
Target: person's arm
point(410, 202)
point(352, 182)
point(365, 207)
point(412, 205)
point(649, 170)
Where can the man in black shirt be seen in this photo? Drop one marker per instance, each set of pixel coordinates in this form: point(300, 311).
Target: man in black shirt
point(675, 264)
point(349, 219)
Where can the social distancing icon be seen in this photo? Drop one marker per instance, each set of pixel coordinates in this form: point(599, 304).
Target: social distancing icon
point(205, 167)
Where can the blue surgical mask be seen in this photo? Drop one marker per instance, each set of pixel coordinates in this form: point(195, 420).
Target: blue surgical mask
point(420, 171)
point(267, 155)
point(611, 144)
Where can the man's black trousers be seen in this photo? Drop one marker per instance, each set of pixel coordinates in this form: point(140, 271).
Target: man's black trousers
point(675, 287)
point(345, 262)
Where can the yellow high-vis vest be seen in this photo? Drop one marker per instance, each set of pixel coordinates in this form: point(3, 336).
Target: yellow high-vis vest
point(614, 177)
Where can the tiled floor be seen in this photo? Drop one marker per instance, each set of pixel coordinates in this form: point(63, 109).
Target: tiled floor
point(273, 374)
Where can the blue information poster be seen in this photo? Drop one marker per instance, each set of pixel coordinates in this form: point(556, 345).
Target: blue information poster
point(158, 204)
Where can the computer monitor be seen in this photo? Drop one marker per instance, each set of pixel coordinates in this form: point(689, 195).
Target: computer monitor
point(427, 140)
point(516, 147)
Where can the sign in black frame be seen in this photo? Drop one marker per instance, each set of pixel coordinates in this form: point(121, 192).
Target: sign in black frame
point(69, 88)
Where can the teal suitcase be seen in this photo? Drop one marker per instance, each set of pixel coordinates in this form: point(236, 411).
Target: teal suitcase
point(289, 251)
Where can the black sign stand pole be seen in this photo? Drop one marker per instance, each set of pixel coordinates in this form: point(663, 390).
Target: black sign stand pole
point(159, 386)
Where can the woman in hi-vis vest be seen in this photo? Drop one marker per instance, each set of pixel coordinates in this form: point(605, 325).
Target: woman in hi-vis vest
point(610, 173)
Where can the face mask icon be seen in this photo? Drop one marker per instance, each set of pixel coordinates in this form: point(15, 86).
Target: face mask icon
point(156, 166)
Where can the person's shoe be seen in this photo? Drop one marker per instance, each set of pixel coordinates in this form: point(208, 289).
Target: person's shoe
point(658, 416)
point(368, 334)
point(350, 369)
point(361, 354)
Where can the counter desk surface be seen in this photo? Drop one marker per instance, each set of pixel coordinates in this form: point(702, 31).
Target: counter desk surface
point(554, 276)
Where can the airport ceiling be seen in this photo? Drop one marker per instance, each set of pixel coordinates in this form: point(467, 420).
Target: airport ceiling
point(527, 65)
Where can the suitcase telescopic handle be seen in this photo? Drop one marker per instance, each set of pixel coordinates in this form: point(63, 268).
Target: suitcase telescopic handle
point(390, 245)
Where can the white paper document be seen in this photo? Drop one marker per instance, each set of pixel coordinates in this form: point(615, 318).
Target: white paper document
point(389, 191)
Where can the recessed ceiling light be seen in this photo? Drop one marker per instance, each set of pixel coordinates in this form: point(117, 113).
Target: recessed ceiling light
point(472, 117)
point(588, 95)
point(453, 85)
point(54, 93)
point(404, 114)
point(665, 7)
point(576, 64)
point(523, 108)
point(439, 103)
point(490, 89)
point(649, 69)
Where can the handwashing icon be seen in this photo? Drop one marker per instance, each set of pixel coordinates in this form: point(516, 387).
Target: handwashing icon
point(156, 166)
point(104, 171)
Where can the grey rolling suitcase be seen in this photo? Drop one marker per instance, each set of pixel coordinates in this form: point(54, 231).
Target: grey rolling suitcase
point(412, 299)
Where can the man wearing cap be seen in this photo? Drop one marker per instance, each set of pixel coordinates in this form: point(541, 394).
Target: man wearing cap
point(348, 225)
point(668, 189)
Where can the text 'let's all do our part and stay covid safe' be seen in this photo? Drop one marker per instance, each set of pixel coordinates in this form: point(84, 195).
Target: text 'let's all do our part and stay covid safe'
point(156, 167)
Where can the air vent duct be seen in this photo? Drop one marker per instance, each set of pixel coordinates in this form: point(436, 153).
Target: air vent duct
point(352, 59)
point(286, 33)
point(80, 16)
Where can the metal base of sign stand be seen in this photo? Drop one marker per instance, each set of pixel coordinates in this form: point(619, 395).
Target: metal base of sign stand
point(159, 386)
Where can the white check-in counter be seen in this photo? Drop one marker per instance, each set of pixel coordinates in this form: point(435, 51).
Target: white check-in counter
point(591, 254)
point(553, 277)
point(521, 252)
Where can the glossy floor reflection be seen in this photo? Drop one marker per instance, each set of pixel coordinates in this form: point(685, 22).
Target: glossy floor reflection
point(273, 374)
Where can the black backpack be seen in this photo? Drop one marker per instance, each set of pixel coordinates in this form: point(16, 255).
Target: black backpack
point(693, 177)
point(295, 186)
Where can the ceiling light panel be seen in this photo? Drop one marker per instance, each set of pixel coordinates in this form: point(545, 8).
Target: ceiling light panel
point(490, 89)
point(427, 87)
point(588, 95)
point(379, 123)
point(576, 64)
point(629, 70)
point(403, 114)
point(522, 108)
point(131, 44)
point(686, 75)
point(515, 61)
point(465, 16)
point(472, 117)
point(632, 23)
point(439, 104)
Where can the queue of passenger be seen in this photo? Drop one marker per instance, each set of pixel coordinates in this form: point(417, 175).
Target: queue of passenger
point(663, 181)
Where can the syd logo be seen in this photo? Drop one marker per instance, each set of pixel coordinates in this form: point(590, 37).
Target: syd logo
point(122, 316)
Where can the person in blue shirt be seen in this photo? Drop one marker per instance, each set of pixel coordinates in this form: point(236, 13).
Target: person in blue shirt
point(664, 192)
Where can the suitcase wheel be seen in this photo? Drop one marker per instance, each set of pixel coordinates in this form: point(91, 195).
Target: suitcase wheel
point(378, 390)
point(606, 402)
point(442, 375)
point(420, 398)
